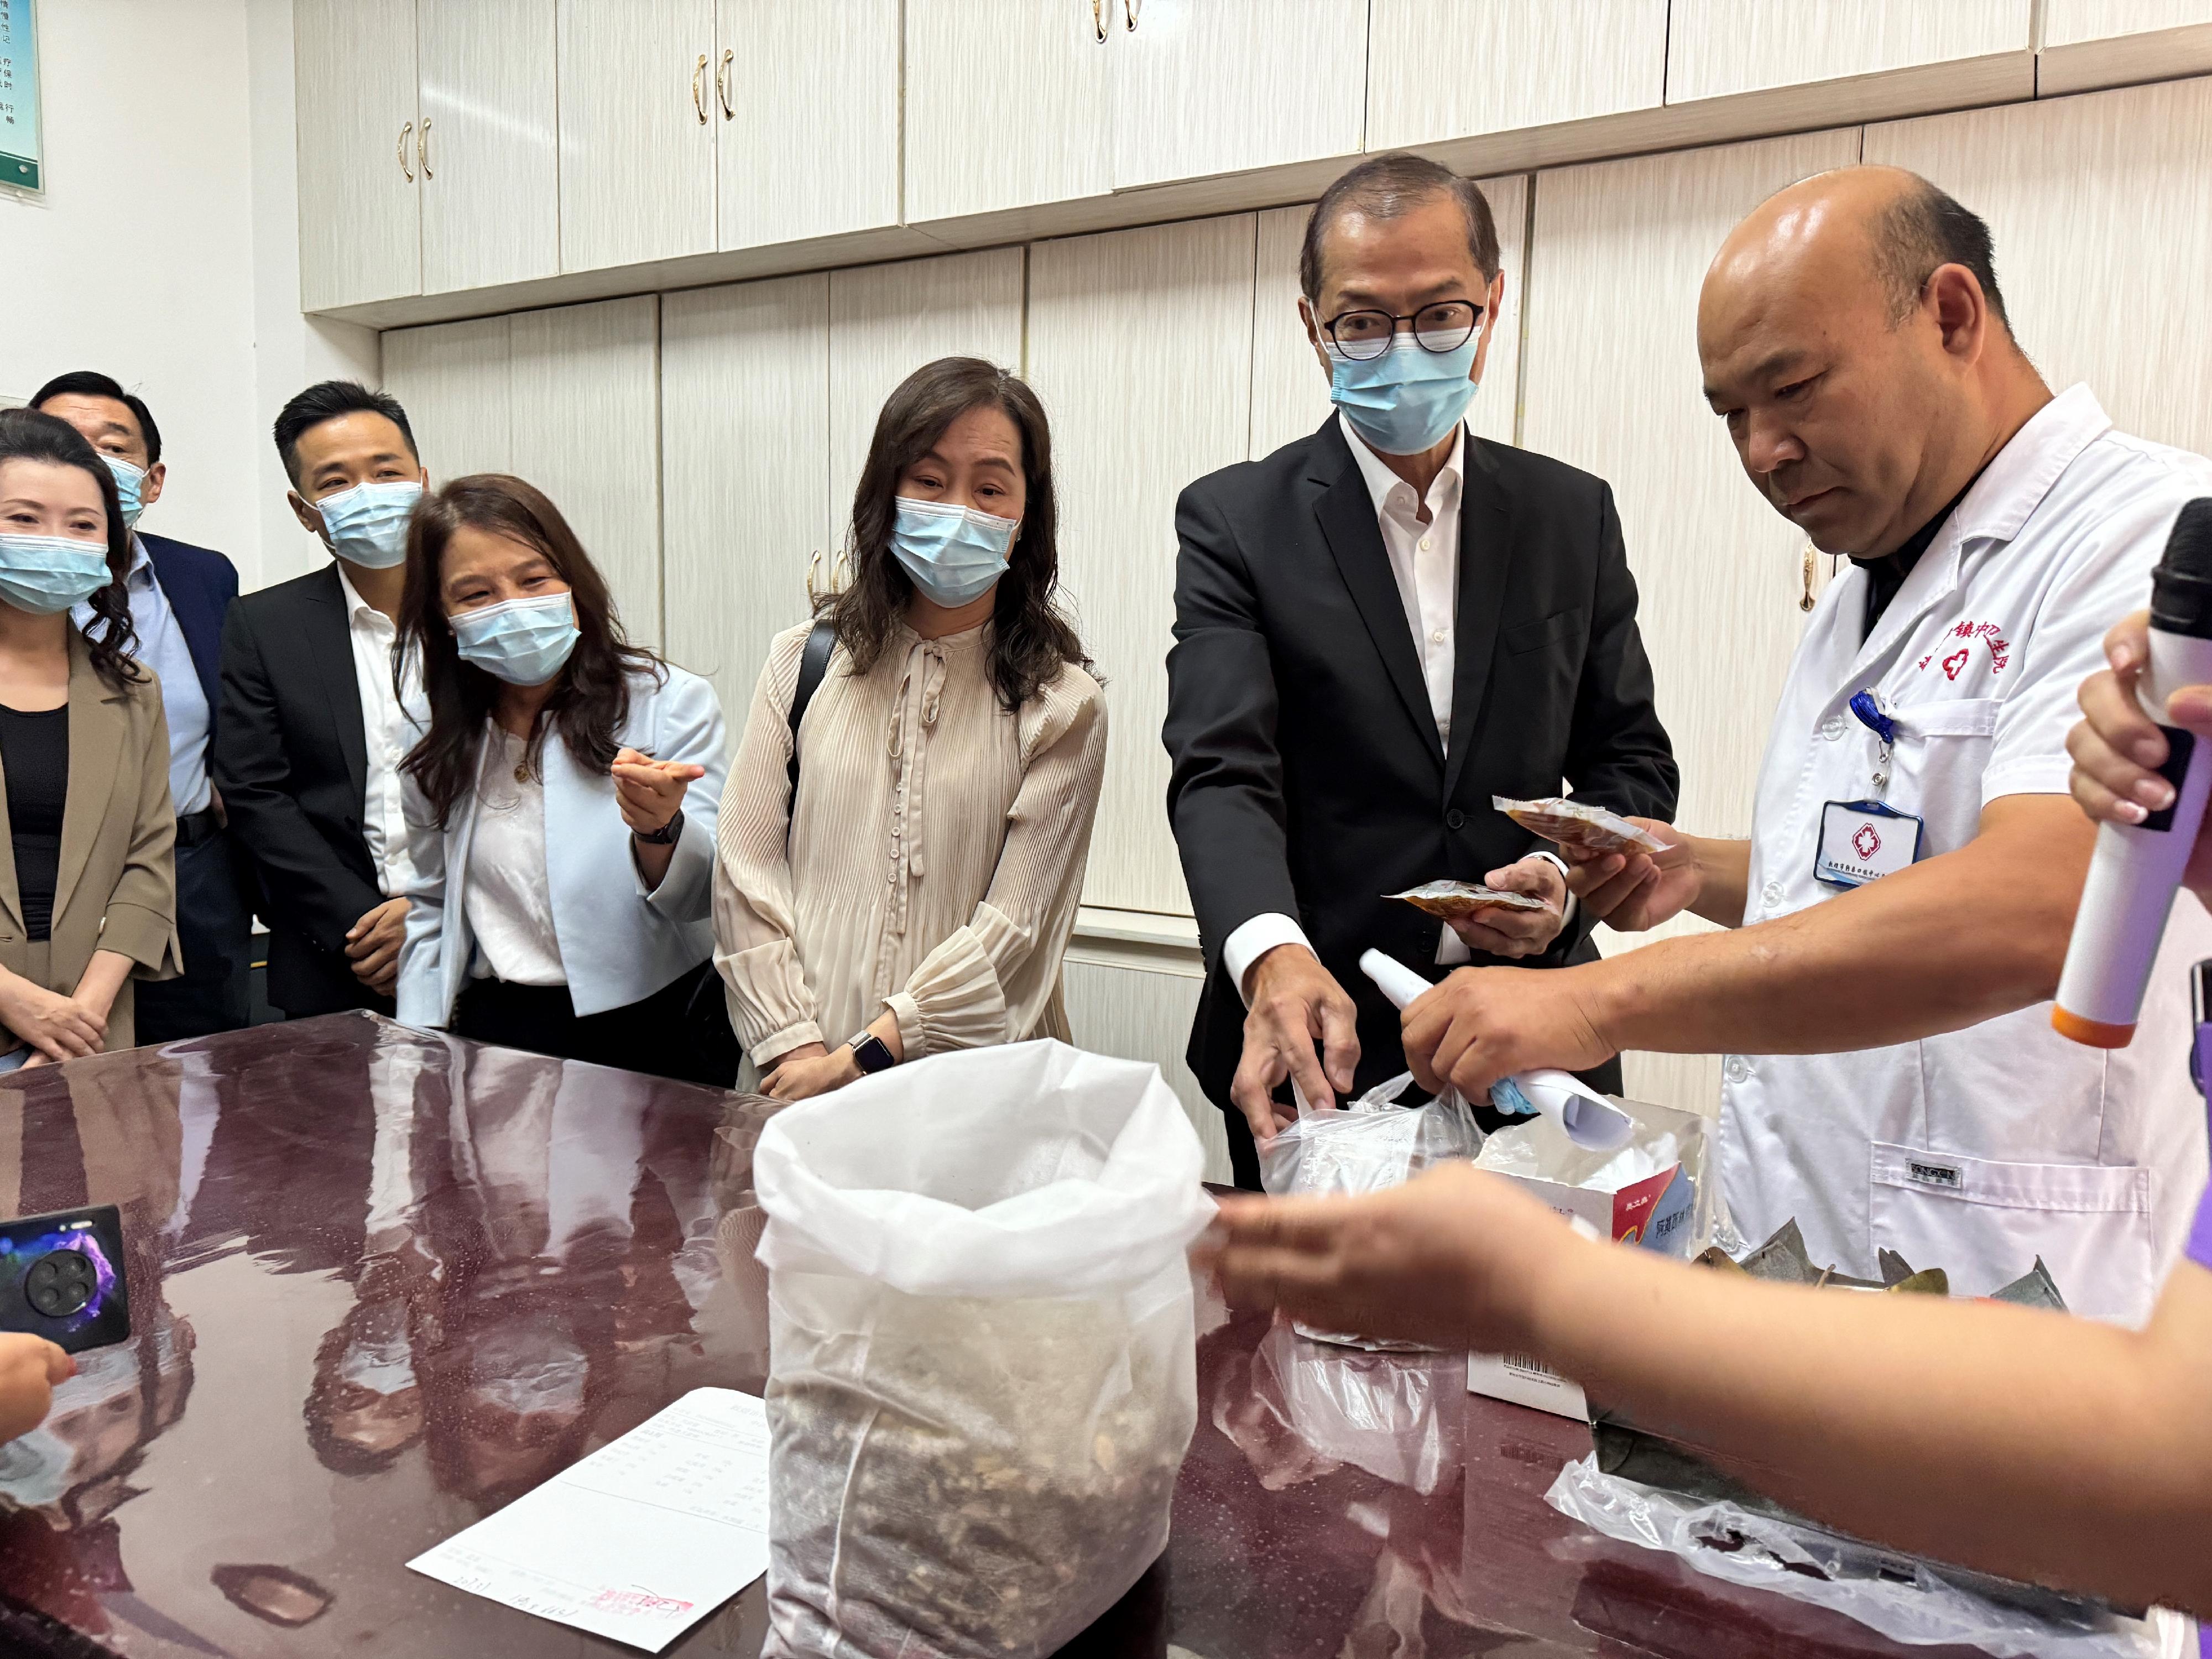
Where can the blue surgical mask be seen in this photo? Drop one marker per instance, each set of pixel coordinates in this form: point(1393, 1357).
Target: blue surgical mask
point(129, 481)
point(952, 553)
point(47, 574)
point(1406, 401)
point(522, 641)
point(366, 524)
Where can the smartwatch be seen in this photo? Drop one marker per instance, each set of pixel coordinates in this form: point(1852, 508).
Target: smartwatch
point(871, 1055)
point(663, 836)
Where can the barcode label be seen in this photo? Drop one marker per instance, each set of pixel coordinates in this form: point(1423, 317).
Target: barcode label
point(1527, 1366)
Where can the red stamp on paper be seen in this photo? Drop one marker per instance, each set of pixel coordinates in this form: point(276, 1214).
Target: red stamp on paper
point(636, 1601)
point(1867, 841)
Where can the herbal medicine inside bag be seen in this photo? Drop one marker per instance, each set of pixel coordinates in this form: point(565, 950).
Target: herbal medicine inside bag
point(983, 1358)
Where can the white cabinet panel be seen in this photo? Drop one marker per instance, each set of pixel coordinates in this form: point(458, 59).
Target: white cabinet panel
point(806, 98)
point(637, 146)
point(2102, 43)
point(1135, 1014)
point(985, 81)
point(491, 173)
point(1140, 344)
point(587, 425)
point(360, 216)
point(1615, 388)
point(2117, 201)
point(452, 379)
point(1289, 393)
point(886, 321)
point(1597, 58)
point(1204, 87)
point(745, 422)
point(1716, 47)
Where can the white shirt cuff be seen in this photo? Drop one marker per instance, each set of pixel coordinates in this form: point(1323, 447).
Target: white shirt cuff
point(1567, 917)
point(1254, 939)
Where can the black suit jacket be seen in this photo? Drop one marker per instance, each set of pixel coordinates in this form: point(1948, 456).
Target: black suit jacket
point(1307, 775)
point(200, 584)
point(291, 758)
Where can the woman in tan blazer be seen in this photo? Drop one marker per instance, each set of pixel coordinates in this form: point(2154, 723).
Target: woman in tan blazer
point(87, 873)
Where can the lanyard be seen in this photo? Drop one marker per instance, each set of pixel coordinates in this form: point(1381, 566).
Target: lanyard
point(1869, 709)
point(2200, 1020)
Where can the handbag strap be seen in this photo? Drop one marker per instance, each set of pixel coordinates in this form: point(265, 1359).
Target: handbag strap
point(814, 668)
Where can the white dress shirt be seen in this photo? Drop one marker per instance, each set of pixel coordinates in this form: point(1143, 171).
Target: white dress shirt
point(1425, 560)
point(184, 701)
point(390, 727)
point(507, 898)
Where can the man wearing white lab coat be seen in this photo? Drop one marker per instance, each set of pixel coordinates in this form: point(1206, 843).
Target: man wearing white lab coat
point(1892, 1079)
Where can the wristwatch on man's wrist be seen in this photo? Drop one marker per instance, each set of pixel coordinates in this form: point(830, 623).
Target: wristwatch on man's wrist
point(872, 1055)
point(663, 836)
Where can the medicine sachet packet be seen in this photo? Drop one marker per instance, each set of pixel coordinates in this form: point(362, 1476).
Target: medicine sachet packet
point(1576, 823)
point(1448, 899)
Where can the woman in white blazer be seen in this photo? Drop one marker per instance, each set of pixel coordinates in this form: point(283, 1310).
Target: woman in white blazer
point(560, 806)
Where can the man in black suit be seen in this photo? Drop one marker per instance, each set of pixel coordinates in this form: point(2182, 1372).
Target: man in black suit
point(1377, 628)
point(312, 732)
point(178, 594)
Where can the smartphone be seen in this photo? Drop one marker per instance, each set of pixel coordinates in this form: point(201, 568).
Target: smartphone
point(61, 1277)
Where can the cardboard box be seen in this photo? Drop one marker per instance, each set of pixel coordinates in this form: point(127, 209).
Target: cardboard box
point(1525, 1381)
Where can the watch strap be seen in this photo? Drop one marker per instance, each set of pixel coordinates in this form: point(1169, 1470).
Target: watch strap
point(667, 835)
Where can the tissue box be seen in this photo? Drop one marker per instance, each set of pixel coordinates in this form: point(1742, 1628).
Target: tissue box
point(1652, 1193)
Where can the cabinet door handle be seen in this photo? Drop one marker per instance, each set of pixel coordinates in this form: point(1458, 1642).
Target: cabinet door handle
point(1098, 20)
point(1130, 10)
point(722, 83)
point(423, 148)
point(406, 166)
point(698, 98)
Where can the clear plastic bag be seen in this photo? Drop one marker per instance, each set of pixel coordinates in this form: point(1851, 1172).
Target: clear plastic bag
point(1904, 1598)
point(983, 1374)
point(1372, 1145)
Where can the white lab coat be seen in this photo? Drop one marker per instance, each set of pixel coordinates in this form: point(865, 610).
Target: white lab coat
point(1980, 1150)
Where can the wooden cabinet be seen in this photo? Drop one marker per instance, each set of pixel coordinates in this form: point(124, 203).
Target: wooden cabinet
point(1007, 105)
point(488, 161)
point(2107, 43)
point(360, 214)
point(1562, 63)
point(1143, 1013)
point(745, 415)
point(1289, 392)
point(1207, 87)
point(452, 379)
point(1718, 47)
point(637, 130)
point(1140, 344)
point(584, 384)
point(806, 99)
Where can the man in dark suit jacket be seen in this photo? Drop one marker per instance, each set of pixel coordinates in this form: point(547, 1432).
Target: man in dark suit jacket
point(1377, 628)
point(179, 594)
point(313, 731)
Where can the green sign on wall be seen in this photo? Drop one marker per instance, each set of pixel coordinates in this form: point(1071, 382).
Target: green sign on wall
point(19, 97)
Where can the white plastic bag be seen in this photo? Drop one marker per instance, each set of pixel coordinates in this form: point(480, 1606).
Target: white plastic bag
point(1905, 1599)
point(982, 1366)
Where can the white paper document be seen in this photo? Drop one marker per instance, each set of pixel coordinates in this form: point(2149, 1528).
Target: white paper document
point(640, 1540)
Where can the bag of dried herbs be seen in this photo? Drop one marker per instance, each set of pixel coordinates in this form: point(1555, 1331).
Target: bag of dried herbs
point(982, 1357)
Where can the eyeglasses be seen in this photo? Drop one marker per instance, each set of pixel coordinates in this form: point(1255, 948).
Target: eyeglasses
point(1444, 326)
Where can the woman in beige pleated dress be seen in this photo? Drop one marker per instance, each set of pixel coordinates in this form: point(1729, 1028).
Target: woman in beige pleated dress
point(918, 893)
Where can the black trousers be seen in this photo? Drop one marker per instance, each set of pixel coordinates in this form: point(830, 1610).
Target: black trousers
point(1244, 1153)
point(215, 929)
point(680, 1031)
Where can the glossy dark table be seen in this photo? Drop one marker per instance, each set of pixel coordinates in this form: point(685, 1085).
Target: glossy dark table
point(384, 1283)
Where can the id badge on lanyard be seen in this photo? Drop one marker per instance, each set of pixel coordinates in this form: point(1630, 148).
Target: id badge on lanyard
point(1862, 841)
